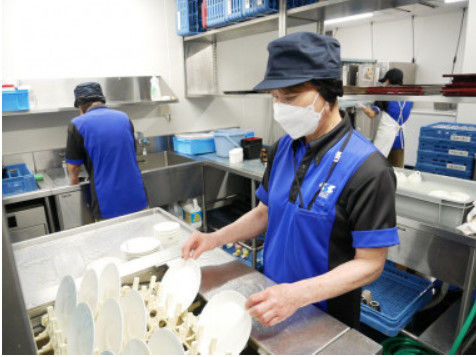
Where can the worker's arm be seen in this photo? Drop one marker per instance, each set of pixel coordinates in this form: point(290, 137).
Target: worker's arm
point(73, 171)
point(277, 303)
point(248, 226)
point(371, 113)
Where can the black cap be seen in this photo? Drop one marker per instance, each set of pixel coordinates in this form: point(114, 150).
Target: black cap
point(301, 57)
point(88, 91)
point(394, 75)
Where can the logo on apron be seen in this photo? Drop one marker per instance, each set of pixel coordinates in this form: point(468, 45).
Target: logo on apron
point(327, 190)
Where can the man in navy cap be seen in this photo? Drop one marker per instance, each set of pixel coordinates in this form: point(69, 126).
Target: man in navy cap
point(389, 138)
point(327, 195)
point(103, 140)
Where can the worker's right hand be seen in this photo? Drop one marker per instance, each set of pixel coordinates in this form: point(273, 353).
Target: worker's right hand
point(196, 244)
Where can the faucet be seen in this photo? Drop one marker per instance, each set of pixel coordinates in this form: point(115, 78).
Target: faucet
point(143, 142)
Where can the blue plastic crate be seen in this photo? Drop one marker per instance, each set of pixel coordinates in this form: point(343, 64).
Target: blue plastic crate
point(440, 170)
point(400, 295)
point(189, 17)
point(20, 180)
point(259, 7)
point(461, 163)
point(454, 132)
point(15, 100)
point(193, 146)
point(452, 148)
point(233, 10)
point(215, 10)
point(296, 3)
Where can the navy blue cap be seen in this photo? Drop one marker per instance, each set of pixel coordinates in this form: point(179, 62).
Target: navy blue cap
point(88, 90)
point(394, 76)
point(301, 57)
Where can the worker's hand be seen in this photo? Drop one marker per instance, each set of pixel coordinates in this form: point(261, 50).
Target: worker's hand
point(196, 244)
point(272, 305)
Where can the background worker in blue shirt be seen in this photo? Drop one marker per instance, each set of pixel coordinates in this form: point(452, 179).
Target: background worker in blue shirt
point(398, 111)
point(327, 196)
point(103, 140)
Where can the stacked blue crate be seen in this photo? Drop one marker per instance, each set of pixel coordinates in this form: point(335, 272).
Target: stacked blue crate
point(215, 10)
point(296, 3)
point(447, 149)
point(189, 17)
point(252, 8)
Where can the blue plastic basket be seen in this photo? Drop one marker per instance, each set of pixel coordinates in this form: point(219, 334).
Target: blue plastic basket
point(296, 3)
point(20, 180)
point(215, 13)
point(228, 139)
point(440, 170)
point(189, 17)
point(400, 295)
point(253, 8)
point(233, 10)
point(454, 132)
point(194, 146)
point(461, 163)
point(452, 148)
point(15, 100)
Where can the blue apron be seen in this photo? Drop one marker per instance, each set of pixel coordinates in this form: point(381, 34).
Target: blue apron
point(297, 239)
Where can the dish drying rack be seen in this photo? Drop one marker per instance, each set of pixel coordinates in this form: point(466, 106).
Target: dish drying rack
point(183, 324)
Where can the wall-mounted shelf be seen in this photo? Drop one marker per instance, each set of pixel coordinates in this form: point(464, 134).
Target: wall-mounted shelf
point(73, 109)
point(409, 98)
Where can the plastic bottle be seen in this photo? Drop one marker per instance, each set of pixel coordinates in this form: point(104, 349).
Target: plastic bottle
point(192, 214)
point(155, 93)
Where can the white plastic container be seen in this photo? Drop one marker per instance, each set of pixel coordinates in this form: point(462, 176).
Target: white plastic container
point(155, 93)
point(236, 155)
point(192, 214)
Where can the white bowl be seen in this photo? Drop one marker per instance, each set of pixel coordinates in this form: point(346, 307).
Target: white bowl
point(139, 247)
point(166, 227)
point(225, 318)
point(109, 283)
point(181, 281)
point(135, 347)
point(66, 299)
point(89, 290)
point(109, 327)
point(165, 342)
point(81, 331)
point(135, 315)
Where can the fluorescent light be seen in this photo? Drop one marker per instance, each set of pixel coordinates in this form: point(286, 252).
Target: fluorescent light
point(452, 1)
point(349, 18)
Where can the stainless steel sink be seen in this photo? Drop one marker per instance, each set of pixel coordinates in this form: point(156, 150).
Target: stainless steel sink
point(161, 159)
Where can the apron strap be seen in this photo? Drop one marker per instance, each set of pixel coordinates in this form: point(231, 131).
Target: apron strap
point(334, 163)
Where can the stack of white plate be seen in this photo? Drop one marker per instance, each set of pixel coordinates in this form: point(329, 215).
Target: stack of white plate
point(138, 247)
point(167, 233)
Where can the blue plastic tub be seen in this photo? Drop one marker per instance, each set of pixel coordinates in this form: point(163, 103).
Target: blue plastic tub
point(400, 295)
point(189, 17)
point(15, 100)
point(259, 7)
point(228, 139)
point(20, 180)
point(215, 13)
point(193, 146)
point(233, 10)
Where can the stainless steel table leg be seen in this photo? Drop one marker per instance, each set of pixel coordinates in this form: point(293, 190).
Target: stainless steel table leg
point(253, 242)
point(204, 207)
point(469, 284)
point(49, 215)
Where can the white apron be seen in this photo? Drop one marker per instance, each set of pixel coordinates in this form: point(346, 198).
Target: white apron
point(387, 130)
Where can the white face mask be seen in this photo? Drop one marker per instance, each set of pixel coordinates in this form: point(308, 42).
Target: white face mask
point(297, 121)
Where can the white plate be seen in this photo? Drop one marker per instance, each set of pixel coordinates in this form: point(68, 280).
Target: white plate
point(165, 342)
point(135, 315)
point(65, 302)
point(100, 264)
point(182, 281)
point(81, 331)
point(140, 246)
point(136, 347)
point(225, 318)
point(166, 227)
point(109, 283)
point(109, 327)
point(89, 290)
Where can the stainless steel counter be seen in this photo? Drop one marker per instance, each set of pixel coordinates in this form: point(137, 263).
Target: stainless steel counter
point(42, 263)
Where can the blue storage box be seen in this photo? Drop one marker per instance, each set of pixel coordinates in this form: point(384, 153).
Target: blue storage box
point(233, 10)
point(15, 100)
point(228, 139)
point(259, 7)
point(460, 163)
point(215, 13)
point(441, 170)
point(454, 132)
point(189, 17)
point(194, 144)
point(400, 295)
point(19, 180)
point(451, 148)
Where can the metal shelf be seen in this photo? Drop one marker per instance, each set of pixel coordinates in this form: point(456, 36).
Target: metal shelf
point(73, 109)
point(410, 98)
